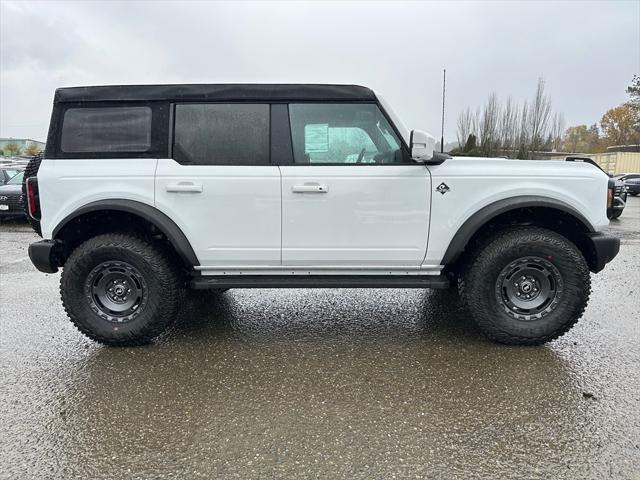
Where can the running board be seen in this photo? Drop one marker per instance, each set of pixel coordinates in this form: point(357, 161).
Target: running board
point(319, 281)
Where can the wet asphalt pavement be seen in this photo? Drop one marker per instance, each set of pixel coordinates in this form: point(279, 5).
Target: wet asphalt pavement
point(319, 384)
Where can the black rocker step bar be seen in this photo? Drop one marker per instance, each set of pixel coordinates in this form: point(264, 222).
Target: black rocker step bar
point(320, 281)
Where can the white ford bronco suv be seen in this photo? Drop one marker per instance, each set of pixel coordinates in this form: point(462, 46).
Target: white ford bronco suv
point(145, 191)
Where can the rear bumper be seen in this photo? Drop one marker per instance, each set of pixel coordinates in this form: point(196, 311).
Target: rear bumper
point(43, 255)
point(604, 248)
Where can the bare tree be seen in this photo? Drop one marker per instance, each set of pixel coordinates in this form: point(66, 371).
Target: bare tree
point(488, 128)
point(523, 132)
point(511, 130)
point(557, 129)
point(538, 117)
point(508, 130)
point(465, 126)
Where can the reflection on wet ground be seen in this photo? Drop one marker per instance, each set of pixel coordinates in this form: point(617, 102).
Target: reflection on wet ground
point(326, 383)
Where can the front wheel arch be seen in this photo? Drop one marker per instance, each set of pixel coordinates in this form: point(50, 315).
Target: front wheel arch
point(521, 211)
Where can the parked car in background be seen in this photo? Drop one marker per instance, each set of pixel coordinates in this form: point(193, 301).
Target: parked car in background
point(11, 198)
point(619, 197)
point(7, 172)
point(632, 182)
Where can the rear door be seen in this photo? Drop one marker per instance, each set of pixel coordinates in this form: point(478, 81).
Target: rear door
point(351, 198)
point(219, 185)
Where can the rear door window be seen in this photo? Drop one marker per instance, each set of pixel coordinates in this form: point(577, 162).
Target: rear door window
point(106, 129)
point(221, 134)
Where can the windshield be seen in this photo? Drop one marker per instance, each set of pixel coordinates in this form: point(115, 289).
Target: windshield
point(402, 128)
point(16, 179)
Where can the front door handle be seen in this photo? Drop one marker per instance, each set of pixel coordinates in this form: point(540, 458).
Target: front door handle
point(310, 188)
point(184, 188)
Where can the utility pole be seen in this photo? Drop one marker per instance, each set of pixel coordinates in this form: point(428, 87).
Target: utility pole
point(444, 85)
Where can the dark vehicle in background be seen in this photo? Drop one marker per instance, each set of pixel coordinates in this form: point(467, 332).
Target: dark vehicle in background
point(619, 200)
point(11, 198)
point(632, 182)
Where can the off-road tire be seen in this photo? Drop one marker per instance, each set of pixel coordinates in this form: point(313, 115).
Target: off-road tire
point(162, 280)
point(482, 290)
point(31, 171)
point(616, 215)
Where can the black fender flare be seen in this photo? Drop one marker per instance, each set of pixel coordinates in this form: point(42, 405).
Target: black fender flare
point(149, 213)
point(489, 212)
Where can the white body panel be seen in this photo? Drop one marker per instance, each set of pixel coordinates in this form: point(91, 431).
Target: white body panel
point(373, 219)
point(362, 216)
point(234, 220)
point(67, 185)
point(477, 182)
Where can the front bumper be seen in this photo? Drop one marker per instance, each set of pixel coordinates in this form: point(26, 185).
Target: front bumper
point(604, 248)
point(43, 255)
point(11, 206)
point(618, 206)
point(12, 214)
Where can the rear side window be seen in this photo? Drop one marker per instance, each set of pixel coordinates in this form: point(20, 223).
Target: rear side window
point(106, 130)
point(222, 134)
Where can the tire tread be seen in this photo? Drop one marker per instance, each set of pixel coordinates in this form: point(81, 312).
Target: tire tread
point(577, 291)
point(160, 262)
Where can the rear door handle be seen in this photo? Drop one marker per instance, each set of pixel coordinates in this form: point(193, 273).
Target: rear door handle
point(310, 188)
point(184, 187)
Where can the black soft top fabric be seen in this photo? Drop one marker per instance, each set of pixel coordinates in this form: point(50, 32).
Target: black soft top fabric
point(216, 92)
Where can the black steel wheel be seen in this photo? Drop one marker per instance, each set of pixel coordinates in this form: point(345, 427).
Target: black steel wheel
point(529, 288)
point(526, 285)
point(121, 290)
point(116, 291)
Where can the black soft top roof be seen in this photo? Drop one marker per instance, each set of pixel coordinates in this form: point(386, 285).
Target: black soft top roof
point(215, 92)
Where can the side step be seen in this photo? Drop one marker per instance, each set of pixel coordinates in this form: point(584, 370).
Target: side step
point(319, 281)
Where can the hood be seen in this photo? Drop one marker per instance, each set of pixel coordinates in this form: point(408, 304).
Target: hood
point(512, 166)
point(11, 189)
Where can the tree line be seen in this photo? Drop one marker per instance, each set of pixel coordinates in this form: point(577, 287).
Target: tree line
point(526, 130)
point(13, 150)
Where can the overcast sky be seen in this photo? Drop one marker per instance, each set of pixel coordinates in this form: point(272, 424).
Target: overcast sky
point(586, 51)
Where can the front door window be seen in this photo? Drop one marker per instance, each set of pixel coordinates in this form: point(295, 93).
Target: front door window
point(342, 134)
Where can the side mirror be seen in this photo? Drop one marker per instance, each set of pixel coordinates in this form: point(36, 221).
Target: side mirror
point(422, 146)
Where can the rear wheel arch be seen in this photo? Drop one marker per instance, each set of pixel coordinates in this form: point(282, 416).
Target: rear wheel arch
point(121, 215)
point(526, 210)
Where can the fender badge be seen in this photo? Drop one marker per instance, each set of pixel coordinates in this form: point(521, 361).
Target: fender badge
point(442, 188)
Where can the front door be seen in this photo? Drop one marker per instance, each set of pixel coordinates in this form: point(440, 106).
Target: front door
point(352, 198)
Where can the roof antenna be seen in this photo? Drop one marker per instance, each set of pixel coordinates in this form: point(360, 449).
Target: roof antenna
point(444, 84)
